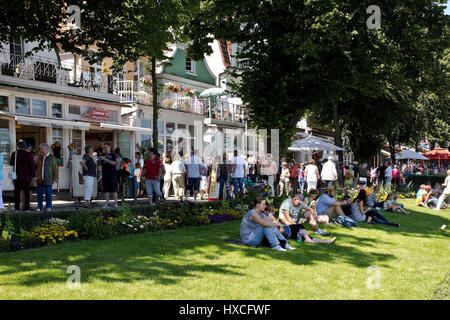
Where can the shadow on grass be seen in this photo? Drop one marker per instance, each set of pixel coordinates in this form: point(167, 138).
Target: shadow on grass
point(167, 257)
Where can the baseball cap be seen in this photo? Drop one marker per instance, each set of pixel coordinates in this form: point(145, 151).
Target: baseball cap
point(329, 188)
point(300, 197)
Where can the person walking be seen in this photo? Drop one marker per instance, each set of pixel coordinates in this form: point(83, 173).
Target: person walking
point(293, 178)
point(153, 171)
point(269, 168)
point(445, 193)
point(238, 173)
point(2, 207)
point(109, 174)
point(89, 175)
point(301, 177)
point(47, 175)
point(223, 174)
point(167, 176)
point(388, 176)
point(178, 176)
point(23, 165)
point(312, 175)
point(329, 172)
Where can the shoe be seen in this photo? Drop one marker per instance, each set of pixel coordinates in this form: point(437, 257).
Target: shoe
point(278, 248)
point(337, 222)
point(37, 210)
point(397, 225)
point(288, 247)
point(48, 209)
point(105, 206)
point(322, 232)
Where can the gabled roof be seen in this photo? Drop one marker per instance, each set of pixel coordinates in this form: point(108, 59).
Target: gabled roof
point(225, 50)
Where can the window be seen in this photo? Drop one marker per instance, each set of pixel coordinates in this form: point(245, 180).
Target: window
point(73, 109)
point(22, 105)
point(5, 140)
point(16, 51)
point(170, 128)
point(39, 107)
point(56, 110)
point(76, 139)
point(190, 65)
point(146, 139)
point(4, 106)
point(57, 134)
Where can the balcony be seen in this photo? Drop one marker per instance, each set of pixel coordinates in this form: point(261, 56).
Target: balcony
point(47, 71)
point(216, 110)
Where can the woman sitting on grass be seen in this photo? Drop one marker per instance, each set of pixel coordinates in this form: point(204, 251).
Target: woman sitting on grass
point(254, 228)
point(359, 214)
point(391, 204)
point(295, 231)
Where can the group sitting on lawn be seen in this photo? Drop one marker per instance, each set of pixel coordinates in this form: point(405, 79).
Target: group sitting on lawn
point(428, 196)
point(259, 226)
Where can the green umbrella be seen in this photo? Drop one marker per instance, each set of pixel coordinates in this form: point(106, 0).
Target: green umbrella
point(213, 92)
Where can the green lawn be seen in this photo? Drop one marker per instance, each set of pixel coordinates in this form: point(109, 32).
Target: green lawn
point(197, 263)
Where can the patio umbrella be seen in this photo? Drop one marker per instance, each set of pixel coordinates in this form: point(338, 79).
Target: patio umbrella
point(439, 154)
point(311, 144)
point(212, 92)
point(410, 154)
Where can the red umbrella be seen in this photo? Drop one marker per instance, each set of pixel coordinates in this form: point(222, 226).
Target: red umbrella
point(439, 154)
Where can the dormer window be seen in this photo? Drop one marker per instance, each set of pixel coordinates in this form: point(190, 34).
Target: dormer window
point(190, 66)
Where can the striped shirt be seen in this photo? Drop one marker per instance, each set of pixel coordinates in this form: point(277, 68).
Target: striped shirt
point(357, 216)
point(372, 199)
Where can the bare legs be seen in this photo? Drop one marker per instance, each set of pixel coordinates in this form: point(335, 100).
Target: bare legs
point(308, 239)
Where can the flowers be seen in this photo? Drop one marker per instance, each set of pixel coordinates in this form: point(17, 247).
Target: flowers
point(146, 82)
point(189, 92)
point(171, 87)
point(46, 235)
point(168, 103)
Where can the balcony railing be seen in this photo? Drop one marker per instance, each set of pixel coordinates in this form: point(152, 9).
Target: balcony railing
point(46, 69)
point(214, 108)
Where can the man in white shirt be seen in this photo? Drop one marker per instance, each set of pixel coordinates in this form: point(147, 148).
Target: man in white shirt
point(329, 172)
point(270, 169)
point(446, 191)
point(388, 175)
point(193, 165)
point(238, 173)
point(178, 172)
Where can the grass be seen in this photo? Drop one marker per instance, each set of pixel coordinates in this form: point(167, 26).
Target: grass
point(197, 263)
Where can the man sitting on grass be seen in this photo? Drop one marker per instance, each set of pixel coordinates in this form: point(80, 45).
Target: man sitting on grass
point(292, 207)
point(328, 205)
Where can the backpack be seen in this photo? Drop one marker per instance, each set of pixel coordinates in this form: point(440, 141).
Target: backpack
point(346, 221)
point(347, 175)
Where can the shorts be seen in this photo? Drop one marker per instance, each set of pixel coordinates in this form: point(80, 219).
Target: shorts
point(109, 182)
point(193, 184)
point(327, 212)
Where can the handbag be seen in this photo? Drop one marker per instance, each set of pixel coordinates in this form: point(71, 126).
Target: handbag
point(12, 174)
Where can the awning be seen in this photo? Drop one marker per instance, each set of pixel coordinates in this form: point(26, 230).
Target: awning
point(124, 127)
point(48, 123)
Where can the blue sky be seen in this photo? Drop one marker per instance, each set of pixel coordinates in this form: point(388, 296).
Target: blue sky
point(447, 11)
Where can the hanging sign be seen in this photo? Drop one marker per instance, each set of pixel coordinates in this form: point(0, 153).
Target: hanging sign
point(97, 113)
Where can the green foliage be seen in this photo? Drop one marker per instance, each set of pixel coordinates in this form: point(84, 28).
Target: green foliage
point(417, 180)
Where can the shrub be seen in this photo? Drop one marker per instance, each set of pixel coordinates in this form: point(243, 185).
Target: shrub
point(419, 179)
point(91, 224)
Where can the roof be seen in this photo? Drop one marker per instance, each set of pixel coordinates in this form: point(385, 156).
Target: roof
point(225, 51)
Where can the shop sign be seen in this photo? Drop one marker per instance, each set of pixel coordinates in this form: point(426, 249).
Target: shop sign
point(97, 113)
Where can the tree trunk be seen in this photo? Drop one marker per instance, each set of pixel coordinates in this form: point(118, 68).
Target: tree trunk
point(155, 106)
point(337, 131)
point(392, 150)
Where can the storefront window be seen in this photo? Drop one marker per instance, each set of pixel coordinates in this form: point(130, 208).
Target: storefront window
point(146, 139)
point(4, 104)
point(76, 139)
point(56, 110)
point(5, 140)
point(22, 105)
point(160, 127)
point(39, 107)
point(170, 128)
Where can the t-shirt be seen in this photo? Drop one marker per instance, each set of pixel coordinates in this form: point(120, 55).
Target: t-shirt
point(382, 170)
point(92, 168)
point(107, 168)
point(248, 225)
point(349, 175)
point(285, 174)
point(372, 199)
point(311, 172)
point(239, 171)
point(137, 173)
point(193, 164)
point(293, 210)
point(357, 216)
point(388, 172)
point(323, 203)
point(152, 168)
point(395, 173)
point(178, 167)
point(447, 185)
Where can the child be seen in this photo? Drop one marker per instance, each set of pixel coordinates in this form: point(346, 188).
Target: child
point(391, 204)
point(137, 174)
point(284, 179)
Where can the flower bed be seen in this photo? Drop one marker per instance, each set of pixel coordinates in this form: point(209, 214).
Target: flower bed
point(22, 231)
